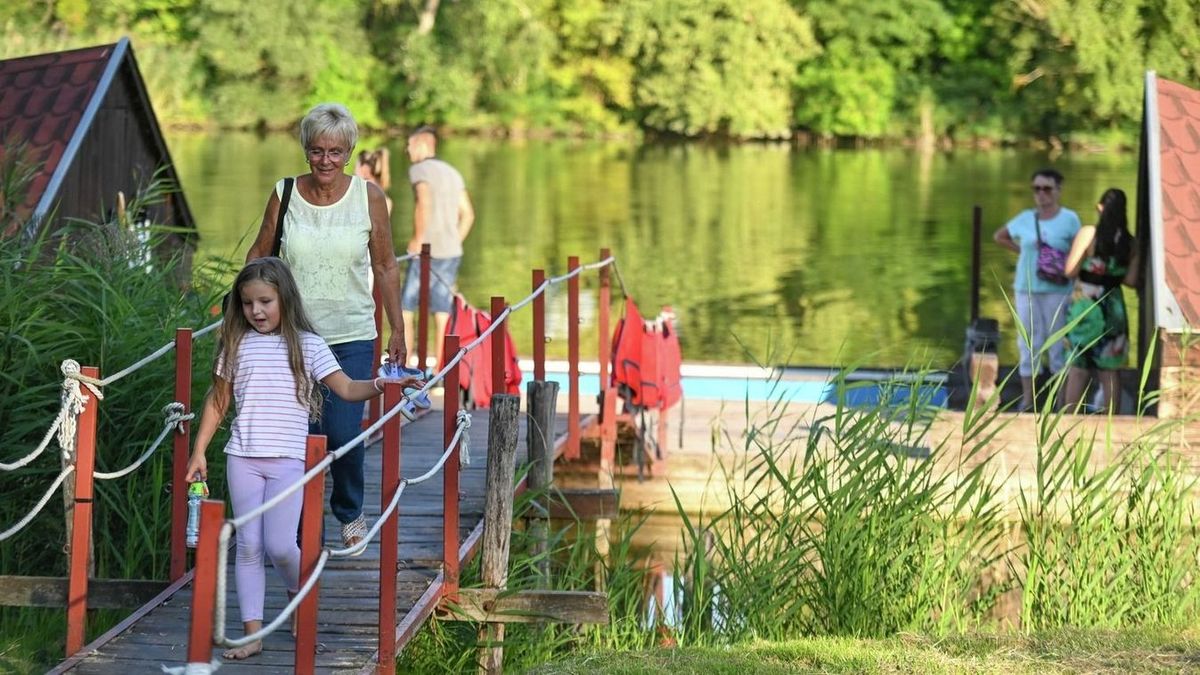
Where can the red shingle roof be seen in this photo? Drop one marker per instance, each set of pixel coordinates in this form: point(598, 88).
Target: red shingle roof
point(1179, 156)
point(42, 100)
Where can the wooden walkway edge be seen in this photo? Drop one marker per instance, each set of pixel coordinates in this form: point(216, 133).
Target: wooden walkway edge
point(156, 633)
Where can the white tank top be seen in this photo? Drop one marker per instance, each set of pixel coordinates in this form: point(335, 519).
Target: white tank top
point(326, 247)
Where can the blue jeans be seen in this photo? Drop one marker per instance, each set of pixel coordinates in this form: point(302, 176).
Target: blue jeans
point(443, 271)
point(342, 421)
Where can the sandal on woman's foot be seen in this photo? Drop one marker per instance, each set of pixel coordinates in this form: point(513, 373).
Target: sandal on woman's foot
point(353, 532)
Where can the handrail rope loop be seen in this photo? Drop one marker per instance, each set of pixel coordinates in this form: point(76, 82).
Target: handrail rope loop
point(175, 418)
point(463, 422)
point(74, 400)
point(40, 505)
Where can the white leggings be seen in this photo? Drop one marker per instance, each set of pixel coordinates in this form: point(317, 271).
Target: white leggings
point(252, 481)
point(1041, 314)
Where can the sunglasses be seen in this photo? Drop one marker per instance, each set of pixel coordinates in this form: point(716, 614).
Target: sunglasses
point(1043, 188)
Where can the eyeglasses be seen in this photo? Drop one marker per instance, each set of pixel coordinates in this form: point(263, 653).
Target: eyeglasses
point(334, 154)
point(1043, 188)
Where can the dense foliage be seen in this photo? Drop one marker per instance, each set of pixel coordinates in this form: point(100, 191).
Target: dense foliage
point(949, 69)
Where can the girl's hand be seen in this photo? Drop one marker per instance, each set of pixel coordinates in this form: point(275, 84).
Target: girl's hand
point(411, 381)
point(197, 466)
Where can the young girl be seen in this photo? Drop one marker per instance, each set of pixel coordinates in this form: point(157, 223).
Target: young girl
point(270, 361)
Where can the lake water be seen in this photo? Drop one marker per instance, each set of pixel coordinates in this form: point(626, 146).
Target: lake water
point(765, 252)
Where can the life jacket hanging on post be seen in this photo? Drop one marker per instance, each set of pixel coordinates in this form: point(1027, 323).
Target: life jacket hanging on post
point(475, 368)
point(647, 360)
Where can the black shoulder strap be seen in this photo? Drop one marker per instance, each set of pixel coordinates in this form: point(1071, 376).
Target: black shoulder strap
point(1036, 226)
point(283, 207)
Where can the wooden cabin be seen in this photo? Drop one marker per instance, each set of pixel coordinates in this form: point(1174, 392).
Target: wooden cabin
point(88, 132)
point(1168, 231)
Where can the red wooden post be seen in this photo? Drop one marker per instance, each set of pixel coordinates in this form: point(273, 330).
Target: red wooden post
point(180, 454)
point(497, 345)
point(605, 340)
point(204, 584)
point(573, 360)
point(81, 521)
point(608, 431)
point(373, 406)
point(539, 328)
point(450, 475)
point(389, 536)
point(311, 518)
point(423, 308)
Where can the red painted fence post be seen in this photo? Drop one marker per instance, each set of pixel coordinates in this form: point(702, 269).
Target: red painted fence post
point(608, 399)
point(539, 328)
point(573, 360)
point(312, 515)
point(204, 584)
point(423, 308)
point(450, 475)
point(389, 535)
point(180, 454)
point(497, 344)
point(81, 520)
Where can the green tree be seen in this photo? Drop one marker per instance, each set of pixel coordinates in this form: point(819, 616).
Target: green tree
point(263, 62)
point(716, 66)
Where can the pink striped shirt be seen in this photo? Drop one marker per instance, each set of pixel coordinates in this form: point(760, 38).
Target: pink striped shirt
point(270, 422)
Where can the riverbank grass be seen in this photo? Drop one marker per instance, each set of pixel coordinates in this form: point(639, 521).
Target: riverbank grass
point(1093, 651)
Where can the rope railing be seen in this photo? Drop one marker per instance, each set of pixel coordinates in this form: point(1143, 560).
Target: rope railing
point(40, 505)
point(231, 526)
point(175, 417)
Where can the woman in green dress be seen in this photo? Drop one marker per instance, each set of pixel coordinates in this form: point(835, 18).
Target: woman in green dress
point(1102, 258)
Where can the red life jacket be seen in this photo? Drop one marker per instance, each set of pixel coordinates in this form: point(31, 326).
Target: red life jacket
point(475, 368)
point(646, 360)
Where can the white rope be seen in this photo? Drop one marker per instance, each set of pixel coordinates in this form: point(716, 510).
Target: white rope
point(40, 505)
point(600, 263)
point(174, 420)
point(532, 296)
point(54, 426)
point(153, 356)
point(73, 400)
point(464, 429)
point(370, 535)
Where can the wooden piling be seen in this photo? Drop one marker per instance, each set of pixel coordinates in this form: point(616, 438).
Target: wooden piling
point(573, 430)
point(541, 401)
point(497, 518)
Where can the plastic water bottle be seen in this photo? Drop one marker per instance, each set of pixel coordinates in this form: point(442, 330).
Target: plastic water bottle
point(197, 491)
point(414, 397)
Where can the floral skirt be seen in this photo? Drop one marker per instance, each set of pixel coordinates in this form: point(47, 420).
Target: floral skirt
point(1098, 335)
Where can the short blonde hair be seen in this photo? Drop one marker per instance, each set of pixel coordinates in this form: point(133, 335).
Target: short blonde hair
point(329, 119)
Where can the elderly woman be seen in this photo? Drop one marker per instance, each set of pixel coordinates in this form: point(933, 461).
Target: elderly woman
point(336, 236)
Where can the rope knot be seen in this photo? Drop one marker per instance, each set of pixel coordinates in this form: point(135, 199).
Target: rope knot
point(463, 419)
point(73, 400)
point(175, 415)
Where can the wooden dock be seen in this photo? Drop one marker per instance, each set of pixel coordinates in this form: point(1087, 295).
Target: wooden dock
point(347, 633)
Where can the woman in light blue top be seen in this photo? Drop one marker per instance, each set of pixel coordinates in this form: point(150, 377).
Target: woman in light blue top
point(1041, 305)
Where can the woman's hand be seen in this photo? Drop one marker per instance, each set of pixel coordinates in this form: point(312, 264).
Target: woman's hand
point(197, 466)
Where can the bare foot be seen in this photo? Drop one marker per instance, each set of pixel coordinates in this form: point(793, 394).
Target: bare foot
point(239, 653)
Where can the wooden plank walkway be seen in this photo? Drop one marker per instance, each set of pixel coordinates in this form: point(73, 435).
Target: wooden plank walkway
point(349, 590)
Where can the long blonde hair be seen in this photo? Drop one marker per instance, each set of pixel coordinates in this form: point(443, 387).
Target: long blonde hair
point(292, 322)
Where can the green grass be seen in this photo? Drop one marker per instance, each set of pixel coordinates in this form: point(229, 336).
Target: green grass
point(1141, 651)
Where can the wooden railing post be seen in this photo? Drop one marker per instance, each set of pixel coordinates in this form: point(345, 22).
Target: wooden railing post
point(539, 328)
point(180, 454)
point(605, 340)
point(450, 475)
point(373, 406)
point(497, 518)
point(80, 552)
point(573, 360)
point(204, 584)
point(541, 401)
point(312, 515)
point(423, 308)
point(497, 345)
point(389, 535)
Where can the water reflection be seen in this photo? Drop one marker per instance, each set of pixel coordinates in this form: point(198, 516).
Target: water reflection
point(830, 254)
